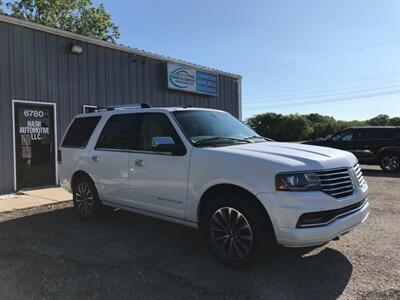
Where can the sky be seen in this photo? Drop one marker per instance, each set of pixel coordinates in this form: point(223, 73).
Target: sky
point(337, 58)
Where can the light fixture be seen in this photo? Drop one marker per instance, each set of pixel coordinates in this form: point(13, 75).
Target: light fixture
point(75, 49)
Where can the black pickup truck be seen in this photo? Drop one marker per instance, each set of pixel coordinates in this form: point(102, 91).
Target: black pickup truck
point(374, 145)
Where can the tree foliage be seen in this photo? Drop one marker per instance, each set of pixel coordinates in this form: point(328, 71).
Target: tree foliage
point(78, 16)
point(312, 126)
point(380, 120)
point(280, 127)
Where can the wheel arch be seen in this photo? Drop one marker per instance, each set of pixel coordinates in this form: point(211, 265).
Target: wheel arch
point(389, 149)
point(79, 174)
point(221, 188)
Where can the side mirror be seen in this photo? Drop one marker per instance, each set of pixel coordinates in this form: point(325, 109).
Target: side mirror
point(167, 144)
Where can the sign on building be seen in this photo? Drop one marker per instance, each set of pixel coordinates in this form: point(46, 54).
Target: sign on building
point(191, 80)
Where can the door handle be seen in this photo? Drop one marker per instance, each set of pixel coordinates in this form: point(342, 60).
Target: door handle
point(139, 163)
point(95, 158)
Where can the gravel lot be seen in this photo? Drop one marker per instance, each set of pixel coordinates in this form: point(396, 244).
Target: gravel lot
point(46, 252)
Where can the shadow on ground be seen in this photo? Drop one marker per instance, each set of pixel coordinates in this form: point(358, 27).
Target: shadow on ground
point(53, 255)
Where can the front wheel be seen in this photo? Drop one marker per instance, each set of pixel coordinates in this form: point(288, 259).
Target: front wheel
point(390, 162)
point(236, 230)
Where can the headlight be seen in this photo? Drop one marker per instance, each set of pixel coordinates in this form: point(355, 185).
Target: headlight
point(297, 181)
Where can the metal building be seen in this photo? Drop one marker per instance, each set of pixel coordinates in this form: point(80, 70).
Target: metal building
point(47, 76)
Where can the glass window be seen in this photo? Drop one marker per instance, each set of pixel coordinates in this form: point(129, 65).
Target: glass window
point(80, 131)
point(155, 125)
point(343, 136)
point(119, 132)
point(377, 133)
point(213, 127)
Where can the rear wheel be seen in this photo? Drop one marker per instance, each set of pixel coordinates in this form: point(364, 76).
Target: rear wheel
point(86, 200)
point(236, 230)
point(390, 162)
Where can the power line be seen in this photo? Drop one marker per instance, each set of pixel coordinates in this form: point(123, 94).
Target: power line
point(359, 97)
point(322, 93)
point(325, 56)
point(289, 91)
point(277, 99)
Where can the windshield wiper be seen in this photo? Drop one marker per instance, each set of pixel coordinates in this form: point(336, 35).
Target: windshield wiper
point(219, 138)
point(254, 137)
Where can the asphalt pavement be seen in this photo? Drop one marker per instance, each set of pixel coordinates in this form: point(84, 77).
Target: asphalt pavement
point(46, 253)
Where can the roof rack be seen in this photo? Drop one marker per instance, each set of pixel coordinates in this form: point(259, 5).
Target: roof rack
point(123, 106)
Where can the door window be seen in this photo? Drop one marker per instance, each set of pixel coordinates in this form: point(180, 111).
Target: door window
point(377, 133)
point(343, 136)
point(120, 132)
point(80, 131)
point(155, 125)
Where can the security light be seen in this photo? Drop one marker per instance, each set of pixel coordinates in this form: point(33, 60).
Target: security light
point(75, 49)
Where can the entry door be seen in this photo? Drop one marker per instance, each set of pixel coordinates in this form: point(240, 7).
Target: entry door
point(159, 180)
point(34, 145)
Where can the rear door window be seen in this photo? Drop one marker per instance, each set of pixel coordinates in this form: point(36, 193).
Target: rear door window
point(120, 132)
point(377, 133)
point(80, 131)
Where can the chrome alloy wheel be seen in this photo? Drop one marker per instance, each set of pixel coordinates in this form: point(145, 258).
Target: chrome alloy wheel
point(231, 233)
point(84, 198)
point(390, 162)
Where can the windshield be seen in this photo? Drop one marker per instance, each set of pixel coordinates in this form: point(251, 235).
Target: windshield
point(213, 127)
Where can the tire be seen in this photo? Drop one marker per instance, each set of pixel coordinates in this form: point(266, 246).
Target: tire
point(87, 203)
point(248, 233)
point(390, 162)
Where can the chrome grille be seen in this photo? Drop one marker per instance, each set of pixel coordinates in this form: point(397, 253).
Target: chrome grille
point(338, 182)
point(359, 177)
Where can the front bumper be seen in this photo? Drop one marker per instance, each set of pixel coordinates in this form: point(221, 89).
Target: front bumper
point(286, 208)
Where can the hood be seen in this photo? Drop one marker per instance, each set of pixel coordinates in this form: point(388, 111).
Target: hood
point(296, 156)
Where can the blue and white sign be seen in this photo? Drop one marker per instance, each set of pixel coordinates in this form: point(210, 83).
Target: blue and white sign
point(195, 81)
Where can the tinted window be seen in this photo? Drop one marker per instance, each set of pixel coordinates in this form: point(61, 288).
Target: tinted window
point(119, 132)
point(80, 131)
point(203, 125)
point(377, 133)
point(343, 136)
point(155, 125)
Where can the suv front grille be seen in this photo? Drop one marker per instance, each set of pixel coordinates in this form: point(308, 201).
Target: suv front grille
point(336, 183)
point(359, 177)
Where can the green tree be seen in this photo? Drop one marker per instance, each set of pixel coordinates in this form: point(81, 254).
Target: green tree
point(78, 16)
point(394, 121)
point(281, 128)
point(380, 120)
point(1, 7)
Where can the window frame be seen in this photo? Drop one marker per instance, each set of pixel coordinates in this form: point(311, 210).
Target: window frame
point(180, 141)
point(187, 137)
point(393, 130)
point(104, 127)
point(348, 131)
point(91, 134)
point(140, 122)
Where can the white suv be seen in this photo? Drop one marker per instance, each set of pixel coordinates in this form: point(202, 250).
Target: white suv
point(204, 168)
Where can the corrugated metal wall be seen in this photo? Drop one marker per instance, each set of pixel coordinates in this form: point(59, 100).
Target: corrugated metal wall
point(38, 66)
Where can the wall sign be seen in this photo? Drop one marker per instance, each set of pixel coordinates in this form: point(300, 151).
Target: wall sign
point(191, 80)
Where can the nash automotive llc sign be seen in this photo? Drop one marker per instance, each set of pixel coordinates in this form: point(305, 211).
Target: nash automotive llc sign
point(196, 81)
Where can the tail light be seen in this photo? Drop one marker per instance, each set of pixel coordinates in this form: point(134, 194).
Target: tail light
point(59, 156)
